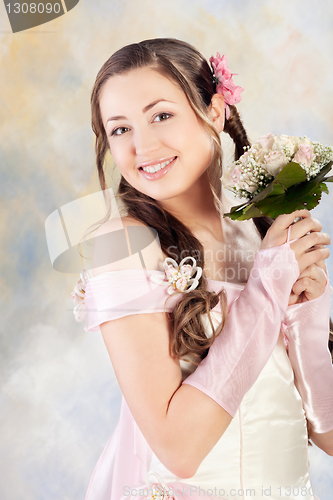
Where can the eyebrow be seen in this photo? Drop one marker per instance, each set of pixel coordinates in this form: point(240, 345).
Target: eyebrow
point(145, 109)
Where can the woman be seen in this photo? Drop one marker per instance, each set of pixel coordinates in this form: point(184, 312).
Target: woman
point(233, 426)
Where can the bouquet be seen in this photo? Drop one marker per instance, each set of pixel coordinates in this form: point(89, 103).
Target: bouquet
point(277, 175)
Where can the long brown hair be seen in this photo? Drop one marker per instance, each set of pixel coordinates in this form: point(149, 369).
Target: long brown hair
point(184, 65)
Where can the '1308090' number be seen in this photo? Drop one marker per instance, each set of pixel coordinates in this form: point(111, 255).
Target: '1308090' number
point(34, 8)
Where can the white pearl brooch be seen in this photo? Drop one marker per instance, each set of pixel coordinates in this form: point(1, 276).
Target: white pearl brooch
point(78, 294)
point(180, 278)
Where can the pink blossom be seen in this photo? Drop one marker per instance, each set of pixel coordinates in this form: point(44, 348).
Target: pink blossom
point(235, 175)
point(186, 270)
point(225, 86)
point(266, 141)
point(304, 154)
point(275, 161)
point(181, 284)
point(170, 271)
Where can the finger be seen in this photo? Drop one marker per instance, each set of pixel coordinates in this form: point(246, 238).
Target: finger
point(315, 273)
point(293, 299)
point(311, 288)
point(307, 259)
point(277, 233)
point(312, 241)
point(285, 220)
point(322, 265)
point(303, 227)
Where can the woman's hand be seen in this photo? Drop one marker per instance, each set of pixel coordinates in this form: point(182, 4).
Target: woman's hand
point(310, 284)
point(309, 249)
point(312, 280)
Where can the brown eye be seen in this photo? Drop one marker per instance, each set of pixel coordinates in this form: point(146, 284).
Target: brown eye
point(119, 131)
point(162, 117)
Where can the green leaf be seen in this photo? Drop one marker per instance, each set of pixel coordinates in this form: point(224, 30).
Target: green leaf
point(324, 188)
point(251, 211)
point(308, 198)
point(321, 174)
point(290, 175)
point(289, 191)
point(243, 213)
point(265, 192)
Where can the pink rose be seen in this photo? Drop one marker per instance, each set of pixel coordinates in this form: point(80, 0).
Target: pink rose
point(181, 284)
point(274, 162)
point(266, 141)
point(304, 154)
point(235, 175)
point(186, 270)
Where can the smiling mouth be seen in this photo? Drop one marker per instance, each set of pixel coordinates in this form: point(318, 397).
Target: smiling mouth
point(152, 169)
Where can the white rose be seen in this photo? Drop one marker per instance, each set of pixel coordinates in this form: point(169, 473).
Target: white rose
point(244, 158)
point(259, 155)
point(251, 188)
point(274, 162)
point(285, 141)
point(226, 180)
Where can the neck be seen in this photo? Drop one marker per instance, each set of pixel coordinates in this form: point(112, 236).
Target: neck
point(195, 208)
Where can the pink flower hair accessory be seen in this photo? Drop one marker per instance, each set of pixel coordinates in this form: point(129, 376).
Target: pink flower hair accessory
point(179, 278)
point(78, 295)
point(225, 86)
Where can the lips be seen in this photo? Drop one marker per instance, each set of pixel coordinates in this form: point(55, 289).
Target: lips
point(156, 170)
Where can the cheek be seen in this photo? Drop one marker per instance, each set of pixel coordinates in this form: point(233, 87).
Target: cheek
point(118, 154)
point(202, 143)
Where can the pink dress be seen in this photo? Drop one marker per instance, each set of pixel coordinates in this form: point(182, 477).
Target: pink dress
point(262, 454)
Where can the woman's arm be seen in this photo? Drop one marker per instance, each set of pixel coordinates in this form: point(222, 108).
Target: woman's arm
point(180, 422)
point(307, 329)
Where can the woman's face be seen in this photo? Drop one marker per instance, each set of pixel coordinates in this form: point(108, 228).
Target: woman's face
point(155, 138)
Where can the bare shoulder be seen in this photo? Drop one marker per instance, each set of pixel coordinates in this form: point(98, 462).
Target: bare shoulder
point(125, 243)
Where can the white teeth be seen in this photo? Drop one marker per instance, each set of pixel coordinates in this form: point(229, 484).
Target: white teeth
point(152, 170)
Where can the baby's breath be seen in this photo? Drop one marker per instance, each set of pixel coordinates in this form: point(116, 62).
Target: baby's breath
point(261, 162)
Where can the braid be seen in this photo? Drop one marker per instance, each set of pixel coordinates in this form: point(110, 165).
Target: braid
point(235, 128)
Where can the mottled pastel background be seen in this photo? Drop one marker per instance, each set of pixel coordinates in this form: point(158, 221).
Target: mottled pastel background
point(60, 400)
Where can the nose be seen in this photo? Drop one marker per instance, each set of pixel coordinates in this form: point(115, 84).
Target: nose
point(145, 141)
